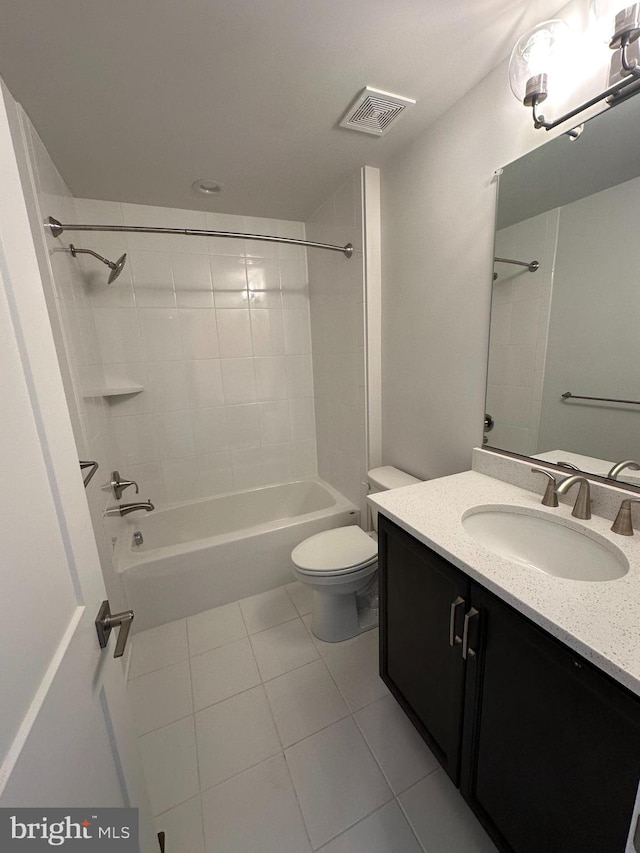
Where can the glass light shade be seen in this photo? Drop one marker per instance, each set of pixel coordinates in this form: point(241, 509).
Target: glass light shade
point(536, 53)
point(603, 13)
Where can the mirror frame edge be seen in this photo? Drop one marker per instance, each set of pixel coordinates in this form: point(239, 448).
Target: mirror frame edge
point(604, 481)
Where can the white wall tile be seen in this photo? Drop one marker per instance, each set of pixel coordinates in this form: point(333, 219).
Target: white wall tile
point(238, 380)
point(299, 376)
point(274, 422)
point(135, 439)
point(297, 332)
point(184, 325)
point(234, 333)
point(301, 419)
point(119, 335)
point(267, 332)
point(166, 384)
point(242, 426)
point(263, 281)
point(161, 333)
point(152, 279)
point(271, 378)
point(204, 383)
point(216, 474)
point(199, 333)
point(210, 431)
point(304, 458)
point(174, 435)
point(181, 479)
point(229, 278)
point(260, 466)
point(294, 284)
point(192, 280)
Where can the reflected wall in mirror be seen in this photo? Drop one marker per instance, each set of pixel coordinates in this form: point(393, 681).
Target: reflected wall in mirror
point(573, 325)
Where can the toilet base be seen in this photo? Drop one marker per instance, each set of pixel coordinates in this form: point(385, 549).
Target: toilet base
point(335, 618)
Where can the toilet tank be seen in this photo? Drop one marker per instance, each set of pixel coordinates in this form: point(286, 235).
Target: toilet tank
point(385, 478)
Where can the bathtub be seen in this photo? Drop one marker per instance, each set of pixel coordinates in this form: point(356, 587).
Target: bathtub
point(206, 553)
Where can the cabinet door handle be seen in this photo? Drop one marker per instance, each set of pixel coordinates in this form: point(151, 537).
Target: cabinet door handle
point(467, 651)
point(454, 638)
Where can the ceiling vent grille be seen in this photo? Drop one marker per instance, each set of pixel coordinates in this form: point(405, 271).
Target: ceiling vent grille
point(374, 111)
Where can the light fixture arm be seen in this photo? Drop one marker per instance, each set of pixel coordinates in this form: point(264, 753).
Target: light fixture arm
point(631, 67)
point(610, 93)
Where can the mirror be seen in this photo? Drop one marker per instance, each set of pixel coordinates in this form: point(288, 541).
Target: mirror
point(570, 329)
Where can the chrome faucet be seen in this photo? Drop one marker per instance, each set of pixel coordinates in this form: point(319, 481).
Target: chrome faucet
point(624, 523)
point(119, 485)
point(582, 506)
point(125, 509)
point(550, 497)
point(619, 467)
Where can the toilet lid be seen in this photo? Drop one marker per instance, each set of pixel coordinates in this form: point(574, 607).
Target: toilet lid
point(335, 550)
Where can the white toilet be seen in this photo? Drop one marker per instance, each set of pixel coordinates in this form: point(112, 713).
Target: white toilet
point(341, 563)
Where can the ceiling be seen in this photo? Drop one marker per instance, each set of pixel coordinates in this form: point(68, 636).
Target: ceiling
point(136, 99)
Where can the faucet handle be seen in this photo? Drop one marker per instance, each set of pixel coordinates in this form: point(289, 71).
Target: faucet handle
point(624, 523)
point(119, 485)
point(550, 497)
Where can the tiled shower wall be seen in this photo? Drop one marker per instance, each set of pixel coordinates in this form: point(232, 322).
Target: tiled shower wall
point(216, 331)
point(337, 294)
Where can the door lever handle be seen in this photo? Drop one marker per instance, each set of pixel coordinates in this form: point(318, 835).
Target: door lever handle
point(106, 621)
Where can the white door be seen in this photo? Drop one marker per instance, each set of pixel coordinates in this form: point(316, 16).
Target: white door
point(65, 734)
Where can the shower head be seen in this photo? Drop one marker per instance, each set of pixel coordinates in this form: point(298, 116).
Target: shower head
point(116, 267)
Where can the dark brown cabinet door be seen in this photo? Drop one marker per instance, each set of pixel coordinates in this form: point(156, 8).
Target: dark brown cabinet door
point(422, 669)
point(551, 756)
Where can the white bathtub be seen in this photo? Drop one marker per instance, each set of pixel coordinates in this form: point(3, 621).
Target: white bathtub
point(206, 553)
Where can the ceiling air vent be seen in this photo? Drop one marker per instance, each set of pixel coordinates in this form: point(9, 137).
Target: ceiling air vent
point(374, 111)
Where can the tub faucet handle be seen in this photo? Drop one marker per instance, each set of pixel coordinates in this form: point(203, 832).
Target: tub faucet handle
point(119, 485)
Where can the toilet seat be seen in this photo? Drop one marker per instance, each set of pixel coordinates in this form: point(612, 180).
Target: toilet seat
point(336, 552)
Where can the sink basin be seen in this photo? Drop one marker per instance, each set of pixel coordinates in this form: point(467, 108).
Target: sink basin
point(538, 541)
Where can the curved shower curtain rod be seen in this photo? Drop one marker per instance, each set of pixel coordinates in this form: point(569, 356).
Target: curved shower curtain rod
point(57, 229)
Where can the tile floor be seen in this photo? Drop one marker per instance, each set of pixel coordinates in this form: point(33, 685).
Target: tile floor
point(258, 738)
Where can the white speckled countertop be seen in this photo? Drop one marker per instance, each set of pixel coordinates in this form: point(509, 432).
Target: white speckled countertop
point(598, 619)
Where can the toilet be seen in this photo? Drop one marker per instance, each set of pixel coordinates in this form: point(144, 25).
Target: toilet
point(340, 566)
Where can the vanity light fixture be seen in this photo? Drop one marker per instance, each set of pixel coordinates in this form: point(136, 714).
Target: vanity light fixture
point(538, 56)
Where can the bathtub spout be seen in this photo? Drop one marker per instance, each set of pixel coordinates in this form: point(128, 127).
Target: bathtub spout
point(125, 509)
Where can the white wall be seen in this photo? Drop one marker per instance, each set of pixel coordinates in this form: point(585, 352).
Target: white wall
point(217, 332)
point(520, 305)
point(438, 210)
point(599, 358)
point(337, 295)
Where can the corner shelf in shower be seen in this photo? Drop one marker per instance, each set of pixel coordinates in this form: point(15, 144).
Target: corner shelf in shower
point(113, 390)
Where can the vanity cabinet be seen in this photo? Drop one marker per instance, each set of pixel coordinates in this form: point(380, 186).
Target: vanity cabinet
point(544, 746)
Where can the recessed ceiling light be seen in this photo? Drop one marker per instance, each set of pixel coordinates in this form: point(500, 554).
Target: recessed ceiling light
point(207, 186)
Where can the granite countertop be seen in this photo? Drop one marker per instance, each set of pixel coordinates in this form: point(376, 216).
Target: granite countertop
point(598, 619)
